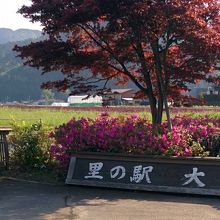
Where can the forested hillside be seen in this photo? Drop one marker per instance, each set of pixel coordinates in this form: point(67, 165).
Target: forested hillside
point(18, 82)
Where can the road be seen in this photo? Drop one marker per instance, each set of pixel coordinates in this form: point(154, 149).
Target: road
point(21, 200)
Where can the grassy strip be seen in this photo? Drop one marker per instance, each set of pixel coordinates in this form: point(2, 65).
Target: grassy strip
point(57, 116)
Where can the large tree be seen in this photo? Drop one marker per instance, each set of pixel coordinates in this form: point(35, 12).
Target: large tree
point(160, 45)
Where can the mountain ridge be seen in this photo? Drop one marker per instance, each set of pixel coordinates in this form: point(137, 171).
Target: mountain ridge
point(19, 82)
point(8, 35)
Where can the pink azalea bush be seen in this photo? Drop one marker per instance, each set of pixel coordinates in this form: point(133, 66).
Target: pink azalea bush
point(132, 135)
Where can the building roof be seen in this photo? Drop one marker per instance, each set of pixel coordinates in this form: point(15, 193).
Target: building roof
point(120, 91)
point(128, 99)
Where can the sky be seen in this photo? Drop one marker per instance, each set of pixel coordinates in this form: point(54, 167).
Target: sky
point(10, 19)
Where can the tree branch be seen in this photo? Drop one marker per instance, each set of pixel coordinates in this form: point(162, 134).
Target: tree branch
point(111, 52)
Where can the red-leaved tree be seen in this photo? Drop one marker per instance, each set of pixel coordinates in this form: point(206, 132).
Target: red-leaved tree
point(160, 45)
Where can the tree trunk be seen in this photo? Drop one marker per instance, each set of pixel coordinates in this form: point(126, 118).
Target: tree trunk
point(160, 110)
point(150, 94)
point(156, 111)
point(155, 124)
point(169, 123)
point(161, 86)
point(153, 108)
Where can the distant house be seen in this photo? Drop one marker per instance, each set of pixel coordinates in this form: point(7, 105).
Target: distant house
point(119, 97)
point(212, 90)
point(212, 95)
point(84, 100)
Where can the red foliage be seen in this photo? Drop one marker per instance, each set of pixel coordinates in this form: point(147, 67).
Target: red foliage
point(159, 45)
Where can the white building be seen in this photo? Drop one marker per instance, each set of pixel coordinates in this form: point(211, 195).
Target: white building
point(82, 100)
point(60, 104)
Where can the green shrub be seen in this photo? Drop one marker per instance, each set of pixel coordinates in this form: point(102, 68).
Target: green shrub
point(30, 146)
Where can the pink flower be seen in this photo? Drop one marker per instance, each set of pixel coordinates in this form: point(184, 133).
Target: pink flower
point(131, 135)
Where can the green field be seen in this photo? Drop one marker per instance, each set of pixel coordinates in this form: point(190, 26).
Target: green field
point(49, 116)
point(56, 116)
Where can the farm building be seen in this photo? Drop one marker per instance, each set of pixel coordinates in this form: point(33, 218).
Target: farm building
point(119, 97)
point(82, 100)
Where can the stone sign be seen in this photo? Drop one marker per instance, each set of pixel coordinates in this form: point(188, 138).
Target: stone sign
point(184, 175)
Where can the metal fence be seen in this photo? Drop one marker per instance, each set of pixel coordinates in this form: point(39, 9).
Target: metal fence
point(4, 152)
